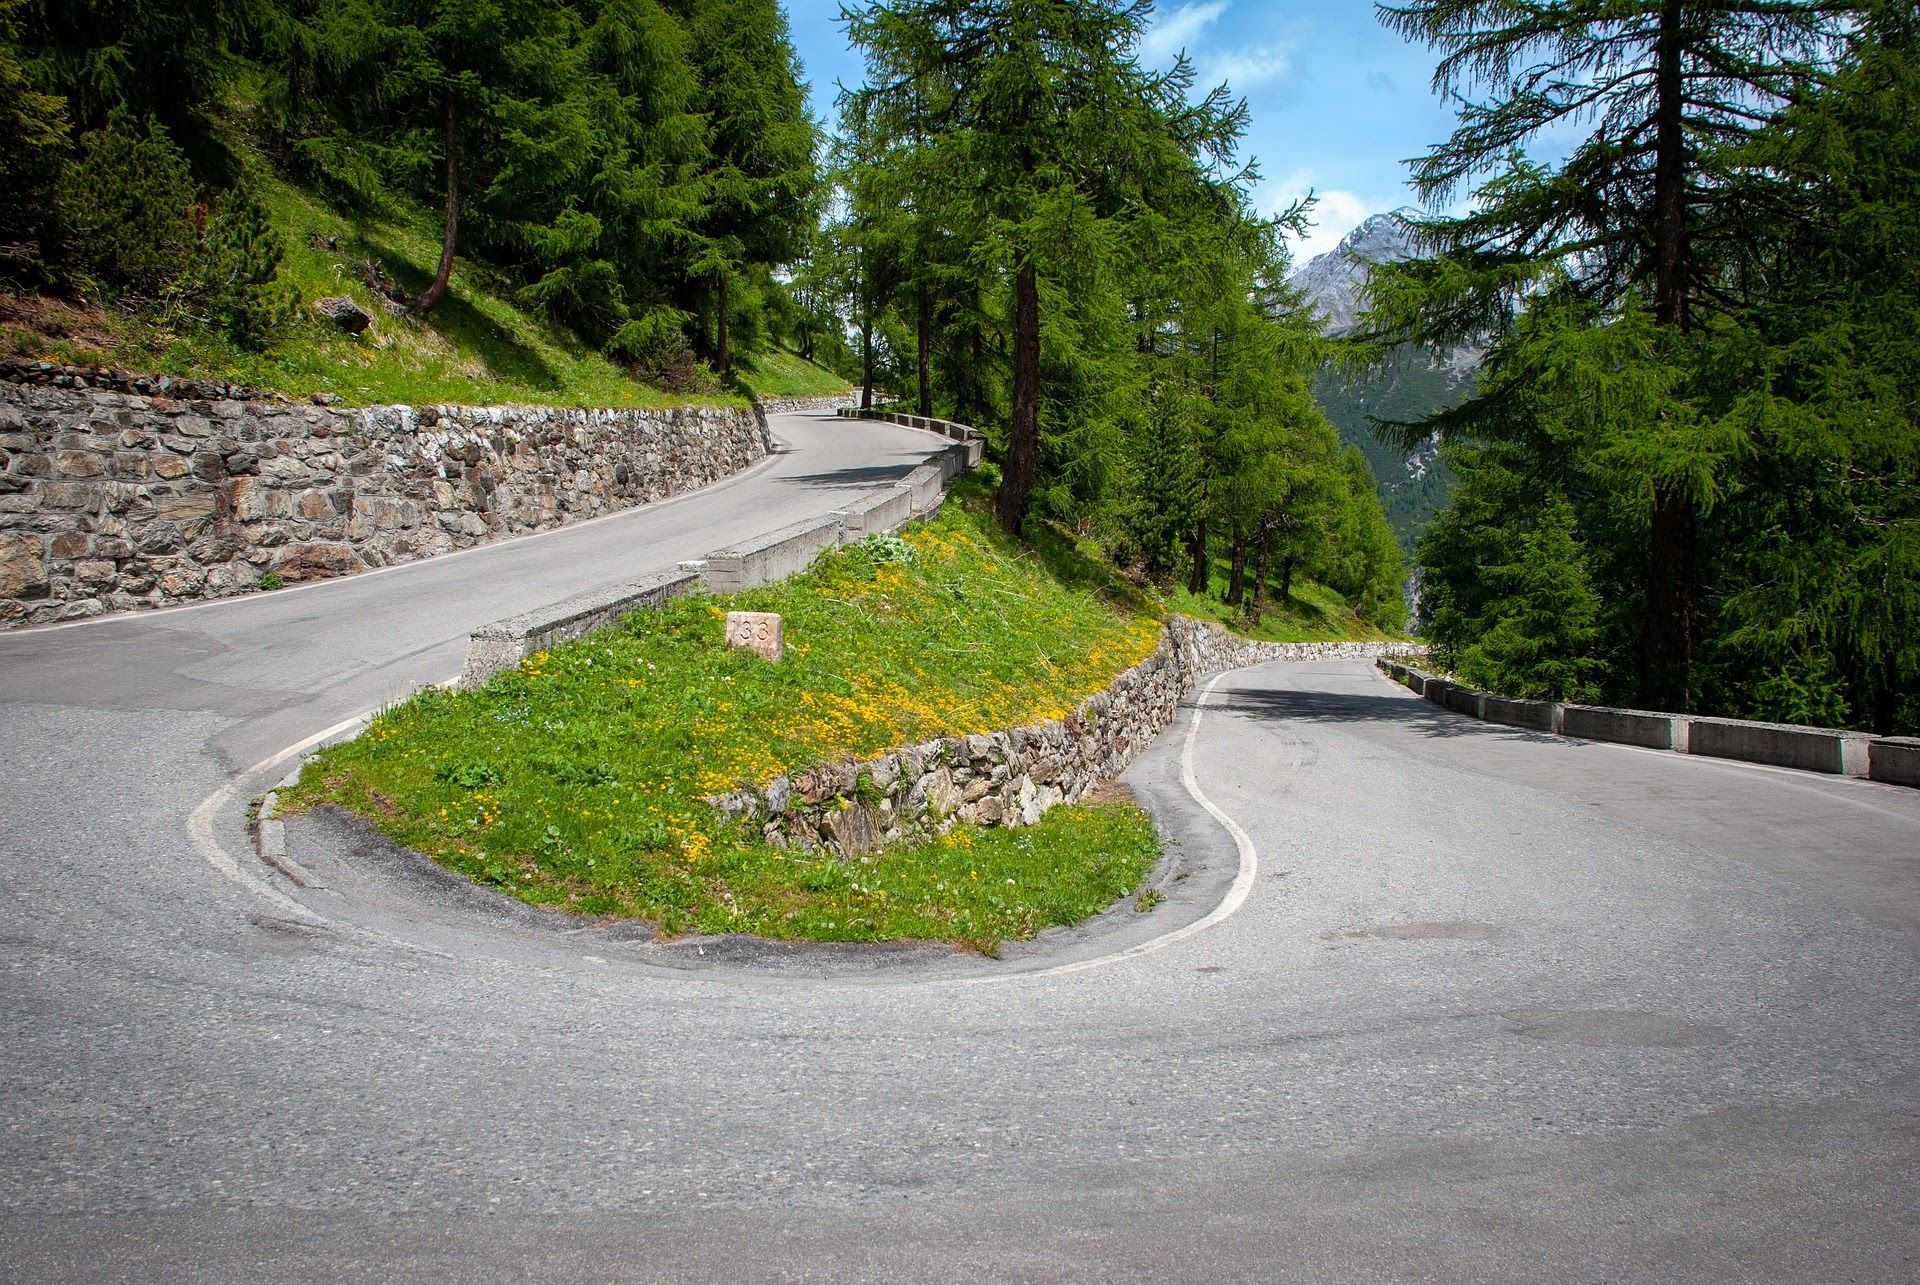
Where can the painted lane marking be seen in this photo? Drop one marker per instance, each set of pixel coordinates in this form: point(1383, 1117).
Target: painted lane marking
point(200, 828)
point(1236, 895)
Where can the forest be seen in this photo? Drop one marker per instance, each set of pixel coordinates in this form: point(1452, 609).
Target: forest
point(1012, 223)
point(1689, 477)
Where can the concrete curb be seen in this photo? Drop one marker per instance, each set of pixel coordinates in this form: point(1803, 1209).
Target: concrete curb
point(270, 833)
point(1893, 760)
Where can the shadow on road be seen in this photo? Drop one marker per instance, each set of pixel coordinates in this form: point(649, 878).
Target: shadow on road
point(1285, 704)
point(866, 475)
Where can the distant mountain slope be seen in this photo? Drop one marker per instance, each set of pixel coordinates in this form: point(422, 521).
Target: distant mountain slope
point(1413, 486)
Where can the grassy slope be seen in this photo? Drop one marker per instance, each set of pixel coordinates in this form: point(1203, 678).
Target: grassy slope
point(579, 779)
point(477, 347)
point(780, 373)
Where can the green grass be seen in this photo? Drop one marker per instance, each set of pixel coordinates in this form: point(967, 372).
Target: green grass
point(478, 347)
point(579, 779)
point(1315, 613)
point(779, 373)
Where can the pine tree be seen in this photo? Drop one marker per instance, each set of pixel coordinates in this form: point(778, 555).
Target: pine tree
point(759, 177)
point(1636, 217)
point(1041, 120)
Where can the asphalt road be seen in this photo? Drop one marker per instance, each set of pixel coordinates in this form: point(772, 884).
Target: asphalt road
point(1492, 1006)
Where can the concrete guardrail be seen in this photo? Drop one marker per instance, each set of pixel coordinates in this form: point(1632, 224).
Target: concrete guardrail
point(1625, 726)
point(968, 436)
point(1537, 716)
point(1894, 760)
point(1811, 749)
point(505, 643)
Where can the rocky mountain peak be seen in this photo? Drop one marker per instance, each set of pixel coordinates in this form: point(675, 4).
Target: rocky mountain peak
point(1332, 281)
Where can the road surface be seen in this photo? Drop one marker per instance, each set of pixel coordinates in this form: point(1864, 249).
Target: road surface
point(1493, 1005)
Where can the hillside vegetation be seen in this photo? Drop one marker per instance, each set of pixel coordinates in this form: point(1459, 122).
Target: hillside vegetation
point(562, 203)
point(623, 202)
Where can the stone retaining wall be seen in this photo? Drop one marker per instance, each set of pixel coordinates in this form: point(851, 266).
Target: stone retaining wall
point(116, 500)
point(809, 405)
point(1011, 777)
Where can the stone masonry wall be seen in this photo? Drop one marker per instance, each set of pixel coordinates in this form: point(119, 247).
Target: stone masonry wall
point(1011, 777)
point(116, 500)
point(808, 405)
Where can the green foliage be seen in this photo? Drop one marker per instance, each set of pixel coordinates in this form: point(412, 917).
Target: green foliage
point(581, 778)
point(1043, 239)
point(1542, 625)
point(235, 278)
point(33, 139)
point(1700, 332)
point(126, 205)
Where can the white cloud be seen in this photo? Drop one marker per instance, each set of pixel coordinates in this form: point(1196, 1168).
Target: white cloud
point(1244, 69)
point(1174, 30)
point(1335, 212)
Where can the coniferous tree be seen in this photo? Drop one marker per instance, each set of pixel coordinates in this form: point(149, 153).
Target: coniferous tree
point(1637, 219)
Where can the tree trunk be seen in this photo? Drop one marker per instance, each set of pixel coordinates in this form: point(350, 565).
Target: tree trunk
point(1023, 436)
point(437, 291)
point(1670, 174)
point(923, 336)
point(1237, 568)
point(1257, 602)
point(866, 364)
point(721, 358)
point(1202, 571)
point(1286, 579)
point(1666, 631)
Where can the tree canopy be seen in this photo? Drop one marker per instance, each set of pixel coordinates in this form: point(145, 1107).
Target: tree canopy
point(1697, 403)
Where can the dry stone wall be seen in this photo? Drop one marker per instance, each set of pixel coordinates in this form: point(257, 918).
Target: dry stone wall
point(1010, 777)
point(114, 500)
point(807, 405)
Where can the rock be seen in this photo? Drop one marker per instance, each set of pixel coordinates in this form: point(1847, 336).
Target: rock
point(985, 812)
point(937, 796)
point(317, 561)
point(242, 464)
point(344, 313)
point(23, 567)
point(852, 829)
point(79, 463)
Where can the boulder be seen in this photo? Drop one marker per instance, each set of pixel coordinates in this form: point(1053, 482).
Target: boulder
point(316, 561)
point(344, 313)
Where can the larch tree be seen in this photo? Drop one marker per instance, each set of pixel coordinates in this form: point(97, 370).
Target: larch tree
point(1636, 219)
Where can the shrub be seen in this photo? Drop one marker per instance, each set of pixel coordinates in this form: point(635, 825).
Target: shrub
point(126, 205)
point(233, 283)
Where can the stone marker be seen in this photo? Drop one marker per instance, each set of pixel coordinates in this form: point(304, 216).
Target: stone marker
point(757, 631)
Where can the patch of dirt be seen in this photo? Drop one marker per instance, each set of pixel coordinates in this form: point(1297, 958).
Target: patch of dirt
point(66, 323)
point(1110, 792)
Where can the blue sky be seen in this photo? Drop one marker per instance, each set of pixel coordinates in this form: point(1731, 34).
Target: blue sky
point(1338, 101)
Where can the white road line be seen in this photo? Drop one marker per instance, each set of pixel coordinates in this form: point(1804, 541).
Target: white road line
point(214, 853)
point(200, 821)
point(1229, 904)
